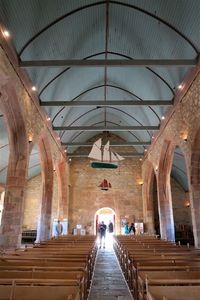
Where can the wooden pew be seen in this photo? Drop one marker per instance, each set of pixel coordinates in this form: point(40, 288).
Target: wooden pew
point(165, 278)
point(30, 289)
point(152, 254)
point(65, 258)
point(173, 293)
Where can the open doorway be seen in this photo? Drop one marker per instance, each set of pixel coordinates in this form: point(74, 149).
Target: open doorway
point(105, 214)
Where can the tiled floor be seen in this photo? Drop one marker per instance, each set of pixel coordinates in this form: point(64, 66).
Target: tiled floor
point(108, 282)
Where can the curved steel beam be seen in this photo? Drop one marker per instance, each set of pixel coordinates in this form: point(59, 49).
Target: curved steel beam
point(3, 146)
point(173, 165)
point(96, 87)
point(113, 123)
point(109, 52)
point(114, 108)
point(101, 3)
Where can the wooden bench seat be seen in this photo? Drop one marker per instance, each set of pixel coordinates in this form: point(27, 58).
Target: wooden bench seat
point(21, 289)
point(173, 293)
point(165, 278)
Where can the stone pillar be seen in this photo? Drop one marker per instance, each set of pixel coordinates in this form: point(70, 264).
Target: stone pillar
point(44, 224)
point(147, 195)
point(165, 208)
point(12, 217)
point(63, 180)
point(164, 193)
point(195, 190)
point(195, 212)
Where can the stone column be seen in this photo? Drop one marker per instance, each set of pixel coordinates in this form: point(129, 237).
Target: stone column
point(195, 190)
point(195, 212)
point(147, 195)
point(164, 192)
point(44, 224)
point(12, 217)
point(165, 208)
point(63, 180)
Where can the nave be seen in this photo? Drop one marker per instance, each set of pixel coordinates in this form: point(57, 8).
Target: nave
point(73, 268)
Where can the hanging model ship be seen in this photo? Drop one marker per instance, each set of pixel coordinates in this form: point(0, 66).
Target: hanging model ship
point(103, 156)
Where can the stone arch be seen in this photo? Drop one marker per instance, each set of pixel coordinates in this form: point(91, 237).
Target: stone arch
point(12, 217)
point(109, 211)
point(195, 188)
point(150, 200)
point(181, 196)
point(164, 191)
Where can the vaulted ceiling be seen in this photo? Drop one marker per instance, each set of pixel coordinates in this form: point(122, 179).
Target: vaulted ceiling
point(146, 48)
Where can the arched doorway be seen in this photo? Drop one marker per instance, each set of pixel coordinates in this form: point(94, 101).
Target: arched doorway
point(180, 199)
point(105, 214)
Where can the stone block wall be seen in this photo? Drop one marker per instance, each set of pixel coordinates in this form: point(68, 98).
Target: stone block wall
point(32, 202)
point(180, 204)
point(125, 196)
point(180, 128)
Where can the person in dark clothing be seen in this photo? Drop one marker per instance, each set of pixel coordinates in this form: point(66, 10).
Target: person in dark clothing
point(110, 227)
point(102, 233)
point(132, 228)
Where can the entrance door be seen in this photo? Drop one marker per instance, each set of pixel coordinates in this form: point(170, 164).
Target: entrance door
point(105, 214)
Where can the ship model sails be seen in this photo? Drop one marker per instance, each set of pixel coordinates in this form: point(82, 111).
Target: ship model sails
point(105, 185)
point(103, 156)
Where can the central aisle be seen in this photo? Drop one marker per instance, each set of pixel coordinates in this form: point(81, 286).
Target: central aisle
point(108, 282)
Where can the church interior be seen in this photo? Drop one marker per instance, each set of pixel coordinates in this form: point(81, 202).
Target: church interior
point(99, 124)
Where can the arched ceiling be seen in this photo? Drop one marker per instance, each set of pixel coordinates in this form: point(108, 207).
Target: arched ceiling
point(59, 32)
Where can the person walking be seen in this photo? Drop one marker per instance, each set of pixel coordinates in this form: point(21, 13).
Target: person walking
point(126, 229)
point(110, 227)
point(102, 233)
point(132, 228)
point(59, 228)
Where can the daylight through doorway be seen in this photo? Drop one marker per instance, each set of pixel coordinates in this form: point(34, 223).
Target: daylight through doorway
point(106, 215)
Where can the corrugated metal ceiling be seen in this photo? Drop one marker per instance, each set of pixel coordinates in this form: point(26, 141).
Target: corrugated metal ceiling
point(128, 29)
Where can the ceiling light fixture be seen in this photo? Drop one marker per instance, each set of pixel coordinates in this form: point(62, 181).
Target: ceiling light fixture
point(6, 33)
point(163, 117)
point(48, 118)
point(34, 88)
point(180, 86)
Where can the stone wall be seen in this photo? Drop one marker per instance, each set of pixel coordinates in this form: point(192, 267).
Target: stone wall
point(32, 202)
point(125, 196)
point(180, 203)
point(180, 128)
